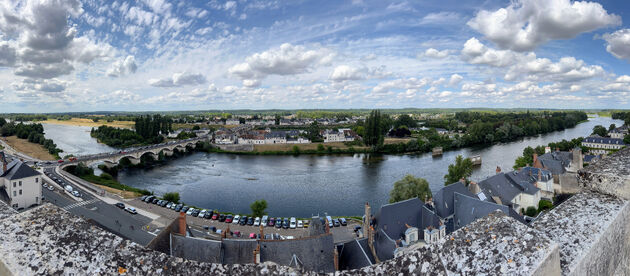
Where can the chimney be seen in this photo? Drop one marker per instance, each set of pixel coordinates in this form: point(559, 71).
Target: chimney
point(539, 175)
point(257, 254)
point(498, 169)
point(182, 223)
point(336, 258)
point(262, 234)
point(474, 188)
point(557, 149)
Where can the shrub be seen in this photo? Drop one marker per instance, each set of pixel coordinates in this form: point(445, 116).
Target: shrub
point(172, 197)
point(544, 205)
point(531, 211)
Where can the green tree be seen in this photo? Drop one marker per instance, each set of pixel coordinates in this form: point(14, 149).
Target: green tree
point(544, 205)
point(599, 130)
point(373, 130)
point(172, 197)
point(295, 150)
point(320, 147)
point(531, 211)
point(405, 120)
point(410, 187)
point(196, 127)
point(627, 139)
point(258, 208)
point(611, 127)
point(462, 168)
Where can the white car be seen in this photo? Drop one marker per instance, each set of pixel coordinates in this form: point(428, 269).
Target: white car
point(69, 188)
point(131, 210)
point(202, 213)
point(257, 221)
point(292, 223)
point(190, 211)
point(330, 222)
point(300, 224)
point(264, 220)
point(236, 219)
point(76, 193)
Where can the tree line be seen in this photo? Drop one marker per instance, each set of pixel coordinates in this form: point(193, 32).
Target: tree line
point(152, 127)
point(118, 137)
point(34, 133)
point(625, 116)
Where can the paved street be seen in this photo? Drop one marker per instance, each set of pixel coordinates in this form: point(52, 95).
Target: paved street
point(106, 215)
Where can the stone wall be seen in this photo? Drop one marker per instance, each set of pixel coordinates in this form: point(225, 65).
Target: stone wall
point(233, 147)
point(569, 183)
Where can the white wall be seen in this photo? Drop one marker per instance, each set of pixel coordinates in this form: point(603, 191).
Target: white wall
point(31, 191)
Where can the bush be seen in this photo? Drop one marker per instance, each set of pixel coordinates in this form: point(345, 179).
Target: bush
point(531, 211)
point(320, 147)
point(106, 176)
point(172, 197)
point(295, 150)
point(544, 205)
point(258, 208)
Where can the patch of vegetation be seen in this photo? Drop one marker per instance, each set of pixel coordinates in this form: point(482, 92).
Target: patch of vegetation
point(34, 133)
point(87, 174)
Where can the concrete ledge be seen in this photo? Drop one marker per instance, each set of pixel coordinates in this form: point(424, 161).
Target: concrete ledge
point(610, 175)
point(592, 231)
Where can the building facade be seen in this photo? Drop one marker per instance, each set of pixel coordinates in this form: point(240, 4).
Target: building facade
point(20, 185)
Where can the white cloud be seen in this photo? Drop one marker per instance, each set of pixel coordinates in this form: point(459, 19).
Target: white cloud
point(525, 24)
point(179, 79)
point(441, 18)
point(345, 72)
point(400, 84)
point(122, 67)
point(455, 80)
point(434, 53)
point(50, 85)
point(618, 43)
point(283, 61)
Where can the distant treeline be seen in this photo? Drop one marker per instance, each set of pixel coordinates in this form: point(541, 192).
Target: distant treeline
point(34, 133)
point(528, 153)
point(148, 130)
point(625, 116)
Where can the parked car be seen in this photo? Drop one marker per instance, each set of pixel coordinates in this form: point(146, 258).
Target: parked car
point(357, 228)
point(252, 235)
point(285, 223)
point(131, 210)
point(343, 221)
point(229, 218)
point(149, 199)
point(236, 219)
point(250, 221)
point(257, 221)
point(336, 223)
point(330, 221)
point(278, 222)
point(276, 236)
point(292, 223)
point(185, 209)
point(195, 213)
point(51, 188)
point(174, 205)
point(268, 237)
point(143, 197)
point(76, 193)
point(215, 216)
point(237, 233)
point(222, 218)
point(68, 188)
point(164, 203)
point(120, 205)
point(208, 215)
point(202, 213)
point(299, 224)
point(179, 207)
point(168, 205)
point(306, 223)
point(155, 200)
point(190, 211)
point(271, 222)
point(243, 220)
point(263, 221)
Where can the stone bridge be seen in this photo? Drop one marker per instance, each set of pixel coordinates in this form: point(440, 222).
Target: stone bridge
point(135, 154)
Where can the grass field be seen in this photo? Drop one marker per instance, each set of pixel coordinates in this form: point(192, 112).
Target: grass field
point(28, 148)
point(123, 194)
point(89, 123)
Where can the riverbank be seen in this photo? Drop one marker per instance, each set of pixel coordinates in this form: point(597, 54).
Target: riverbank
point(89, 123)
point(31, 149)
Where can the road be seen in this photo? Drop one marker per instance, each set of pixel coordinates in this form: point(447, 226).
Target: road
point(106, 215)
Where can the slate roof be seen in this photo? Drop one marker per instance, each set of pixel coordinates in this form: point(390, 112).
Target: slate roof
point(311, 253)
point(18, 170)
point(590, 158)
point(556, 161)
point(443, 199)
point(506, 186)
point(603, 140)
point(469, 209)
point(392, 219)
point(355, 254)
point(545, 175)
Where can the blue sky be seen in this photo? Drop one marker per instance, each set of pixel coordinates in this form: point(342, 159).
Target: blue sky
point(70, 55)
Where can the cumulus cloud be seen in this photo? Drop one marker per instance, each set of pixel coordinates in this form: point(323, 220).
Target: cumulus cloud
point(178, 80)
point(618, 43)
point(529, 66)
point(400, 84)
point(434, 53)
point(50, 85)
point(345, 72)
point(455, 79)
point(441, 18)
point(39, 42)
point(525, 24)
point(123, 67)
point(283, 61)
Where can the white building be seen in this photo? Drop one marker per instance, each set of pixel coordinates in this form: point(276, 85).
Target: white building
point(232, 122)
point(602, 145)
point(20, 185)
point(619, 133)
point(342, 135)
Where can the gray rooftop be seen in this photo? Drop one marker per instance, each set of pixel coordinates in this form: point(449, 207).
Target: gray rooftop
point(18, 170)
point(468, 209)
point(443, 199)
point(311, 253)
point(506, 186)
point(355, 254)
point(556, 161)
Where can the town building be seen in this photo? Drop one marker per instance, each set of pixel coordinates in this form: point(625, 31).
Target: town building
point(602, 145)
point(232, 121)
point(516, 189)
point(619, 133)
point(341, 135)
point(563, 166)
point(20, 185)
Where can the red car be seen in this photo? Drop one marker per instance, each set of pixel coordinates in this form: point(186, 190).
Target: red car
point(215, 216)
point(60, 161)
point(229, 218)
point(252, 235)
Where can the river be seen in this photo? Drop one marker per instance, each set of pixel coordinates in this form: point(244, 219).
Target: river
point(75, 140)
point(311, 184)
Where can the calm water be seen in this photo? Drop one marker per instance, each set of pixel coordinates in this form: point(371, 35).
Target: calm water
point(309, 184)
point(74, 140)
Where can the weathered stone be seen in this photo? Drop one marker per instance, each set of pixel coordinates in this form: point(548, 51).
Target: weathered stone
point(610, 175)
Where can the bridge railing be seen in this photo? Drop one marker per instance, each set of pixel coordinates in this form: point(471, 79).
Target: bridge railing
point(83, 183)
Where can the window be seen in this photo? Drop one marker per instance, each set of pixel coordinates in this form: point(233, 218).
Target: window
point(14, 184)
point(20, 192)
point(14, 193)
point(36, 180)
point(20, 183)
